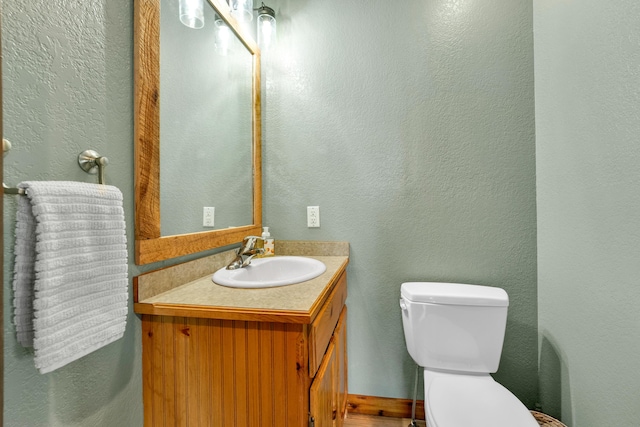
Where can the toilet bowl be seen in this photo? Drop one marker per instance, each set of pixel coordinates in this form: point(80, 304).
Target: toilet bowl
point(455, 332)
point(455, 400)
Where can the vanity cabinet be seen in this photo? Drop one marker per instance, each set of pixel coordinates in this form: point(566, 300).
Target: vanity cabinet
point(247, 369)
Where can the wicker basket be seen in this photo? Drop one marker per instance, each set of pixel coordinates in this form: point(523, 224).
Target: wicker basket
point(546, 420)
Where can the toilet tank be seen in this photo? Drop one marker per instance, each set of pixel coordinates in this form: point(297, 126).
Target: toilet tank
point(453, 326)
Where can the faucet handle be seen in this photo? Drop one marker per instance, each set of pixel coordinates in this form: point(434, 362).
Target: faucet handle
point(250, 240)
point(248, 244)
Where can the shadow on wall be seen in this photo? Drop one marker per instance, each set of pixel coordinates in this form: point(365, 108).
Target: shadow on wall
point(518, 361)
point(555, 386)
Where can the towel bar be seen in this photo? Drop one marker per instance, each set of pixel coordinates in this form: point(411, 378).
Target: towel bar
point(89, 161)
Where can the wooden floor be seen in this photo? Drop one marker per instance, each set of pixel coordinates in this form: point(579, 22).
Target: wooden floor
point(357, 420)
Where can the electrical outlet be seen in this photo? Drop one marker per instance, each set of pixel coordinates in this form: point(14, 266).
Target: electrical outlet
point(313, 216)
point(208, 216)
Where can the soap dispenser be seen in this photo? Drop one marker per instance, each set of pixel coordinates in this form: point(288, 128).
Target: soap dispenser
point(269, 243)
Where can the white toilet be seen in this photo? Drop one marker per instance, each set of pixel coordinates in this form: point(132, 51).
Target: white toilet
point(455, 332)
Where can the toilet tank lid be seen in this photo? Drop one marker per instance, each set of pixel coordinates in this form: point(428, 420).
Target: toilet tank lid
point(454, 294)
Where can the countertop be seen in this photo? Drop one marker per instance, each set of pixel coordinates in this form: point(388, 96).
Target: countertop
point(202, 297)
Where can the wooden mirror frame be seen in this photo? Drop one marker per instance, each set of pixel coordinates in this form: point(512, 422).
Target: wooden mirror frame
point(150, 246)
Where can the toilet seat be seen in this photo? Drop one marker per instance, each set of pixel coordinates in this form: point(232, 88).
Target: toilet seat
point(473, 401)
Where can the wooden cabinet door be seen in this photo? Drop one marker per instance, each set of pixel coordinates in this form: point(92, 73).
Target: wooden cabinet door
point(322, 398)
point(328, 393)
point(340, 336)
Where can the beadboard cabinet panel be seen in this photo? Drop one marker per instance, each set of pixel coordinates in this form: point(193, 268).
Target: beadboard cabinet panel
point(239, 373)
point(224, 373)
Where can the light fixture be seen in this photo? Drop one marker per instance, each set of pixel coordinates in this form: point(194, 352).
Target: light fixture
point(192, 13)
point(223, 36)
point(266, 28)
point(242, 10)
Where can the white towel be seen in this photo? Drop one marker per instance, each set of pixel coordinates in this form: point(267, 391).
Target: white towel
point(70, 280)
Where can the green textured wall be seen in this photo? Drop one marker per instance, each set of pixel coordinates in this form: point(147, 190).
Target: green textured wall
point(587, 67)
point(67, 87)
point(411, 125)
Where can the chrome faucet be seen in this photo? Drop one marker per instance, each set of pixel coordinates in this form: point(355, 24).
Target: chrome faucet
point(246, 252)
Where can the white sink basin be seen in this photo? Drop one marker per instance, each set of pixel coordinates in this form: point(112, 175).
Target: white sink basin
point(271, 272)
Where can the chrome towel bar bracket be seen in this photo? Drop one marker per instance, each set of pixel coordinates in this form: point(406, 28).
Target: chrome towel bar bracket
point(93, 163)
point(6, 146)
point(89, 161)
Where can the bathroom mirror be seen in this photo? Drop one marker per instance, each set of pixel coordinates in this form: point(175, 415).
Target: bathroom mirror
point(197, 132)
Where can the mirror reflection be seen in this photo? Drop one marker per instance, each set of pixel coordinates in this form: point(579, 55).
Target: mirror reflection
point(205, 125)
